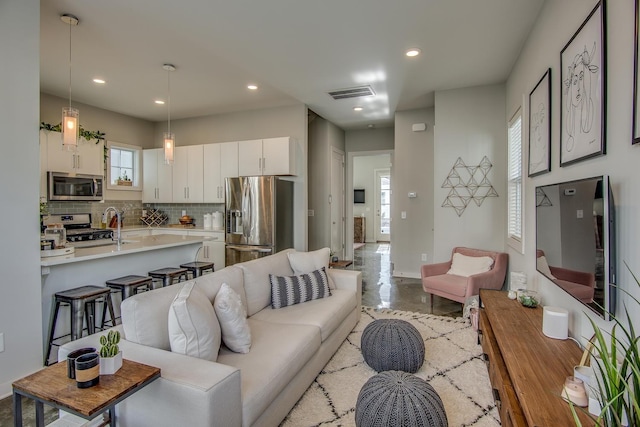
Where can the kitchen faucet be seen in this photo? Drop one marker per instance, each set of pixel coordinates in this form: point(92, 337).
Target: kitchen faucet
point(118, 235)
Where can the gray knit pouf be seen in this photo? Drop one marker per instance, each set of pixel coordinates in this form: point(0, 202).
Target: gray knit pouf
point(395, 398)
point(392, 345)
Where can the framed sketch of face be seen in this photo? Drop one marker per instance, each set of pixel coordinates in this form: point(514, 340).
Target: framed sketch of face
point(540, 126)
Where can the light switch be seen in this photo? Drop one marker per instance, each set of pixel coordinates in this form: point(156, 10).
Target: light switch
point(403, 215)
point(413, 195)
point(579, 213)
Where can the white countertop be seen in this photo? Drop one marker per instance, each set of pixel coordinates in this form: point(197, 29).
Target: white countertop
point(138, 244)
point(162, 228)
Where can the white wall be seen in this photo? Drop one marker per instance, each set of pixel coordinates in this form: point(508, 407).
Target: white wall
point(364, 177)
point(556, 24)
point(20, 304)
point(470, 124)
point(412, 172)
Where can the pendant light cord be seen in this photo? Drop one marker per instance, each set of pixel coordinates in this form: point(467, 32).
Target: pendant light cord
point(169, 101)
point(70, 25)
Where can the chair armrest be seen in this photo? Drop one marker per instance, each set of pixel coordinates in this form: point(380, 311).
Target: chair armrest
point(574, 276)
point(435, 269)
point(347, 279)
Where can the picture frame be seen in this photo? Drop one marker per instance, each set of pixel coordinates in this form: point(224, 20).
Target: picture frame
point(635, 139)
point(583, 91)
point(540, 126)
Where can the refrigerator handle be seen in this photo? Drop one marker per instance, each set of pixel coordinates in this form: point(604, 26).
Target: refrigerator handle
point(246, 209)
point(249, 248)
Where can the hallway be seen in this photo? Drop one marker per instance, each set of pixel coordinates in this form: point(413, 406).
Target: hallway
point(381, 290)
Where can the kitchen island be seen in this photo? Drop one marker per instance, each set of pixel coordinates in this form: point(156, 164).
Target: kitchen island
point(95, 265)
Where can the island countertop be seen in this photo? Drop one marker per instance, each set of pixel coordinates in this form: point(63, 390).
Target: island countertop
point(130, 246)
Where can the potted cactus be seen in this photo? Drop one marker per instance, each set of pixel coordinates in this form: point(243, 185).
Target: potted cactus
point(110, 354)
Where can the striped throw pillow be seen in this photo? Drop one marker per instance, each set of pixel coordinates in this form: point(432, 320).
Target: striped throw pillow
point(290, 290)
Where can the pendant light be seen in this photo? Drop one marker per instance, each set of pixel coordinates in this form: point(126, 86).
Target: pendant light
point(169, 138)
point(70, 116)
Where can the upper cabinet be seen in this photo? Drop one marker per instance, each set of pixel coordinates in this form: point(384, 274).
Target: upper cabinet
point(156, 177)
point(188, 176)
point(271, 156)
point(221, 161)
point(88, 158)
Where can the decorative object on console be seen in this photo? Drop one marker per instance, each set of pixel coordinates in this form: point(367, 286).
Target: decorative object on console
point(468, 183)
point(71, 360)
point(575, 392)
point(87, 370)
point(555, 322)
point(528, 298)
point(110, 354)
point(583, 94)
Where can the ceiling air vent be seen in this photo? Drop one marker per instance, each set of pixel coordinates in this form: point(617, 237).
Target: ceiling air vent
point(353, 92)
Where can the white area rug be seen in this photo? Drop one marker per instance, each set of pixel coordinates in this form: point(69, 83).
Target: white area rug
point(453, 366)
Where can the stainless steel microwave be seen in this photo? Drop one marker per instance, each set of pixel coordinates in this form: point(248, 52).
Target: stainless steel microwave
point(66, 186)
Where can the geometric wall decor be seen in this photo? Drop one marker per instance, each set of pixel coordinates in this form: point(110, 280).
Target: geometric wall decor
point(468, 183)
point(542, 199)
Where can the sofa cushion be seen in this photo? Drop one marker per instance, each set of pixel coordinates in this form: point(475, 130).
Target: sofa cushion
point(256, 279)
point(233, 320)
point(210, 283)
point(306, 262)
point(447, 284)
point(326, 313)
point(193, 327)
point(462, 265)
point(290, 290)
point(278, 353)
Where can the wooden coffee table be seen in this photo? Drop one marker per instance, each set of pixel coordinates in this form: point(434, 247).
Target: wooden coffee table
point(52, 387)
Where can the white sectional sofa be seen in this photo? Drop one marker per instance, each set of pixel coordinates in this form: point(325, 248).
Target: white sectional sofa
point(289, 348)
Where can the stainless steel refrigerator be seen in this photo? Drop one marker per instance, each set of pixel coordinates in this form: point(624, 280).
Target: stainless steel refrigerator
point(259, 217)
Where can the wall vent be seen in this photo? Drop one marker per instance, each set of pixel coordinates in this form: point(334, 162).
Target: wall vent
point(353, 92)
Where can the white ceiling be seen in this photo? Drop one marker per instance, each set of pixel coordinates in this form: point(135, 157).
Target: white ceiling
point(294, 50)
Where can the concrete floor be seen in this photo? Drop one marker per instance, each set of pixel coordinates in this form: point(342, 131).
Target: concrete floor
point(380, 290)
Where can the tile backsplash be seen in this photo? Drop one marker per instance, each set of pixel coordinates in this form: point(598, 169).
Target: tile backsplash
point(133, 210)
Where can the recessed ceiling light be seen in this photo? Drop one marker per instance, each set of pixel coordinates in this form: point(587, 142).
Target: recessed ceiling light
point(159, 101)
point(252, 87)
point(370, 125)
point(99, 81)
point(357, 108)
point(414, 51)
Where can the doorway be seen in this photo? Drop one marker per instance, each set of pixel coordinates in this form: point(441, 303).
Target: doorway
point(336, 203)
point(383, 205)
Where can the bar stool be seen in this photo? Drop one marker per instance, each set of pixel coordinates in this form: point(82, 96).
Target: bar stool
point(167, 275)
point(130, 285)
point(197, 268)
point(82, 303)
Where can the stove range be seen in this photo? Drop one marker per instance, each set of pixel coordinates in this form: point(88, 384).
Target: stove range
point(78, 227)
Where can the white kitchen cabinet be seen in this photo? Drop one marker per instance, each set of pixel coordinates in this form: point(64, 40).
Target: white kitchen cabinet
point(156, 177)
point(271, 156)
point(188, 176)
point(220, 162)
point(212, 248)
point(88, 158)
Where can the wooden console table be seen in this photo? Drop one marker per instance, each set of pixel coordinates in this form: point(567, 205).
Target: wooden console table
point(527, 369)
point(51, 386)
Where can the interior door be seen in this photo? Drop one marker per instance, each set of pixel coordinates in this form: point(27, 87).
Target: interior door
point(383, 205)
point(336, 200)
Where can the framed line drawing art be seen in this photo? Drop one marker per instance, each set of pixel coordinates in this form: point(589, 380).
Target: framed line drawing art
point(540, 126)
point(636, 78)
point(583, 91)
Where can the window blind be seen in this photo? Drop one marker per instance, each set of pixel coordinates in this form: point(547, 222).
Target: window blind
point(515, 178)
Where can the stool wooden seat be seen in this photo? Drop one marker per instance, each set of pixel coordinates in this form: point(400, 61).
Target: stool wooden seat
point(129, 285)
point(82, 302)
point(167, 275)
point(197, 268)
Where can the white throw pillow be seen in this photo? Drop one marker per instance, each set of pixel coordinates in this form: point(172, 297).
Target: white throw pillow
point(462, 265)
point(307, 262)
point(543, 267)
point(193, 327)
point(233, 320)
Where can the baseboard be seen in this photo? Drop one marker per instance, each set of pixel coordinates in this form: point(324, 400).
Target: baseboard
point(407, 274)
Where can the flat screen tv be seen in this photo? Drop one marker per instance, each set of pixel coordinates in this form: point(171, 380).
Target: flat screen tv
point(358, 196)
point(576, 240)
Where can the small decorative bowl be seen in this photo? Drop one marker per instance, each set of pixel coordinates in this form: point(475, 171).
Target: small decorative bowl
point(529, 298)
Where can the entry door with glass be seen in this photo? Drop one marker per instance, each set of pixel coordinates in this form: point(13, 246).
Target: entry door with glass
point(383, 205)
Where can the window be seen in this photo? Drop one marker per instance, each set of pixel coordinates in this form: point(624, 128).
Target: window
point(514, 185)
point(123, 167)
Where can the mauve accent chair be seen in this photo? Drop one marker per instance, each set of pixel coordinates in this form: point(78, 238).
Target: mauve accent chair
point(579, 284)
point(436, 281)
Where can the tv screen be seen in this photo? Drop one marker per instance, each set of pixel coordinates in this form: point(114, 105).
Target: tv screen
point(358, 196)
point(575, 240)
